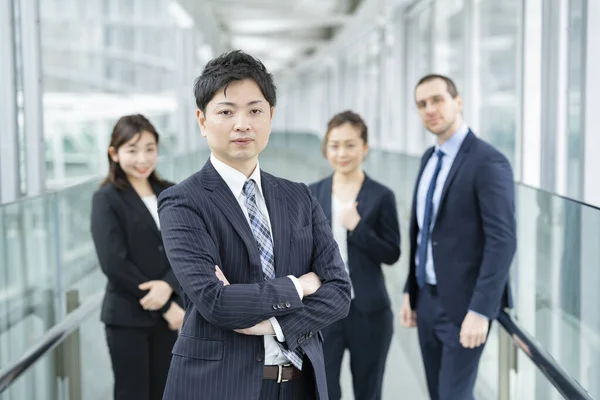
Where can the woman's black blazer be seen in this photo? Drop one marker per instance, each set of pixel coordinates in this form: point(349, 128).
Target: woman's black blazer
point(130, 251)
point(374, 241)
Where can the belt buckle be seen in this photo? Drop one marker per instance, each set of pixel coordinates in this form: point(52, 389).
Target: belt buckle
point(280, 373)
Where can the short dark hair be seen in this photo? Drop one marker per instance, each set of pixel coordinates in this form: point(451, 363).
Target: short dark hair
point(229, 67)
point(451, 87)
point(126, 128)
point(345, 117)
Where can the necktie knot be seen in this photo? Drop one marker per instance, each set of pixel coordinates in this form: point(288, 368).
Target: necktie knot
point(249, 188)
point(440, 153)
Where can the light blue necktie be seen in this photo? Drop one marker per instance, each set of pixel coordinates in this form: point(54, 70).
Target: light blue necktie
point(426, 227)
point(262, 235)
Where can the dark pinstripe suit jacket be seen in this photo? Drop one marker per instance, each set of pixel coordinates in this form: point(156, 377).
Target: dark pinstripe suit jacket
point(202, 226)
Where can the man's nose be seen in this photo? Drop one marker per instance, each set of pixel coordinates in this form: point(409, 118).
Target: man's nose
point(241, 123)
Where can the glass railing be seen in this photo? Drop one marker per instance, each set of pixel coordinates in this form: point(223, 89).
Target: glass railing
point(47, 252)
point(47, 266)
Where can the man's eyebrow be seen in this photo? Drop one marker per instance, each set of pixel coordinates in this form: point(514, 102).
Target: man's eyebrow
point(229, 103)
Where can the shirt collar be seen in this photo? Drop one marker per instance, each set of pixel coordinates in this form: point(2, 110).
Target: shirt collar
point(452, 145)
point(235, 179)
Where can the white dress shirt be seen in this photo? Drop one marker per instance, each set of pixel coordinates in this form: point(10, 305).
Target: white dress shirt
point(235, 181)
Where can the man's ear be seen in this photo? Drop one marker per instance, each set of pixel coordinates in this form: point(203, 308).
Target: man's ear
point(459, 101)
point(112, 152)
point(201, 121)
point(272, 112)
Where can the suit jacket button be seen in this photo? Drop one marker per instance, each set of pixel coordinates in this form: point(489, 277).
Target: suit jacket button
point(287, 304)
point(310, 334)
point(300, 340)
point(160, 248)
point(434, 243)
point(275, 307)
point(260, 357)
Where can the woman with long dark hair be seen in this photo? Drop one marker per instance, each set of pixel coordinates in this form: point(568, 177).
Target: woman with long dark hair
point(364, 221)
point(141, 309)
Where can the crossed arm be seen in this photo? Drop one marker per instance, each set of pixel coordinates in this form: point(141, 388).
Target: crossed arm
point(193, 255)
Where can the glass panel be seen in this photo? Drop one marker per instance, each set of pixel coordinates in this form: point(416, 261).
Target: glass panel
point(497, 91)
point(98, 69)
point(418, 64)
point(575, 98)
point(450, 52)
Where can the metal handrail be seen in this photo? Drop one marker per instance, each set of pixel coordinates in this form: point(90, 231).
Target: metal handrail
point(50, 340)
point(556, 375)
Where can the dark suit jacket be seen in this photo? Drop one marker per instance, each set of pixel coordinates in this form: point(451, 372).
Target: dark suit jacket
point(130, 251)
point(473, 237)
point(203, 226)
point(375, 240)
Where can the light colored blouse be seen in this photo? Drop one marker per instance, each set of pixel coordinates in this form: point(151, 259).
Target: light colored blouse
point(152, 204)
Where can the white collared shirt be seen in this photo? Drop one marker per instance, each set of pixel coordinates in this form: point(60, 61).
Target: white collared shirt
point(235, 181)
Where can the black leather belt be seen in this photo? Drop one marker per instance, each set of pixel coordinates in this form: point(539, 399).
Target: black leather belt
point(281, 373)
point(432, 289)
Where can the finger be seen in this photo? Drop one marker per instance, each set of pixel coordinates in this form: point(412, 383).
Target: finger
point(146, 300)
point(481, 339)
point(472, 341)
point(146, 285)
point(464, 339)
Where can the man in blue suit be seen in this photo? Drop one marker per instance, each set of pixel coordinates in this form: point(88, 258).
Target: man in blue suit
point(254, 254)
point(462, 235)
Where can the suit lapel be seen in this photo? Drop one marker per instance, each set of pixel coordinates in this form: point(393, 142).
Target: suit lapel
point(229, 206)
point(461, 156)
point(280, 225)
point(362, 197)
point(137, 204)
point(324, 194)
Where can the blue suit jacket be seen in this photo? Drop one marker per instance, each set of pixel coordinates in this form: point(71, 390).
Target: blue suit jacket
point(202, 226)
point(473, 239)
point(374, 241)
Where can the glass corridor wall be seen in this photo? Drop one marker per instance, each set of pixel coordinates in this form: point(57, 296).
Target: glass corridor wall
point(80, 65)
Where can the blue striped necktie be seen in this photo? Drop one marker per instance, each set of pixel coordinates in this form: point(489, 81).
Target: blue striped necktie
point(262, 236)
point(426, 226)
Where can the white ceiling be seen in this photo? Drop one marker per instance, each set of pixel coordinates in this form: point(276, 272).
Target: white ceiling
point(281, 32)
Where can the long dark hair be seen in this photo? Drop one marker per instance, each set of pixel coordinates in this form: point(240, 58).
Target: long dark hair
point(126, 128)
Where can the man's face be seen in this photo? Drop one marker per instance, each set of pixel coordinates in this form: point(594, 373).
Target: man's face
point(237, 125)
point(438, 110)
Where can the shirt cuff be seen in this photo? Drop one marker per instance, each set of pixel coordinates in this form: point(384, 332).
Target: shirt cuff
point(481, 315)
point(298, 286)
point(278, 332)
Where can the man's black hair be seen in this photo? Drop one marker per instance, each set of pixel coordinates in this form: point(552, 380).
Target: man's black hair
point(230, 67)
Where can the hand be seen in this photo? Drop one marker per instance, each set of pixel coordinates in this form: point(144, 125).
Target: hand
point(408, 317)
point(473, 331)
point(221, 275)
point(261, 329)
point(174, 316)
point(350, 217)
point(158, 295)
point(310, 283)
